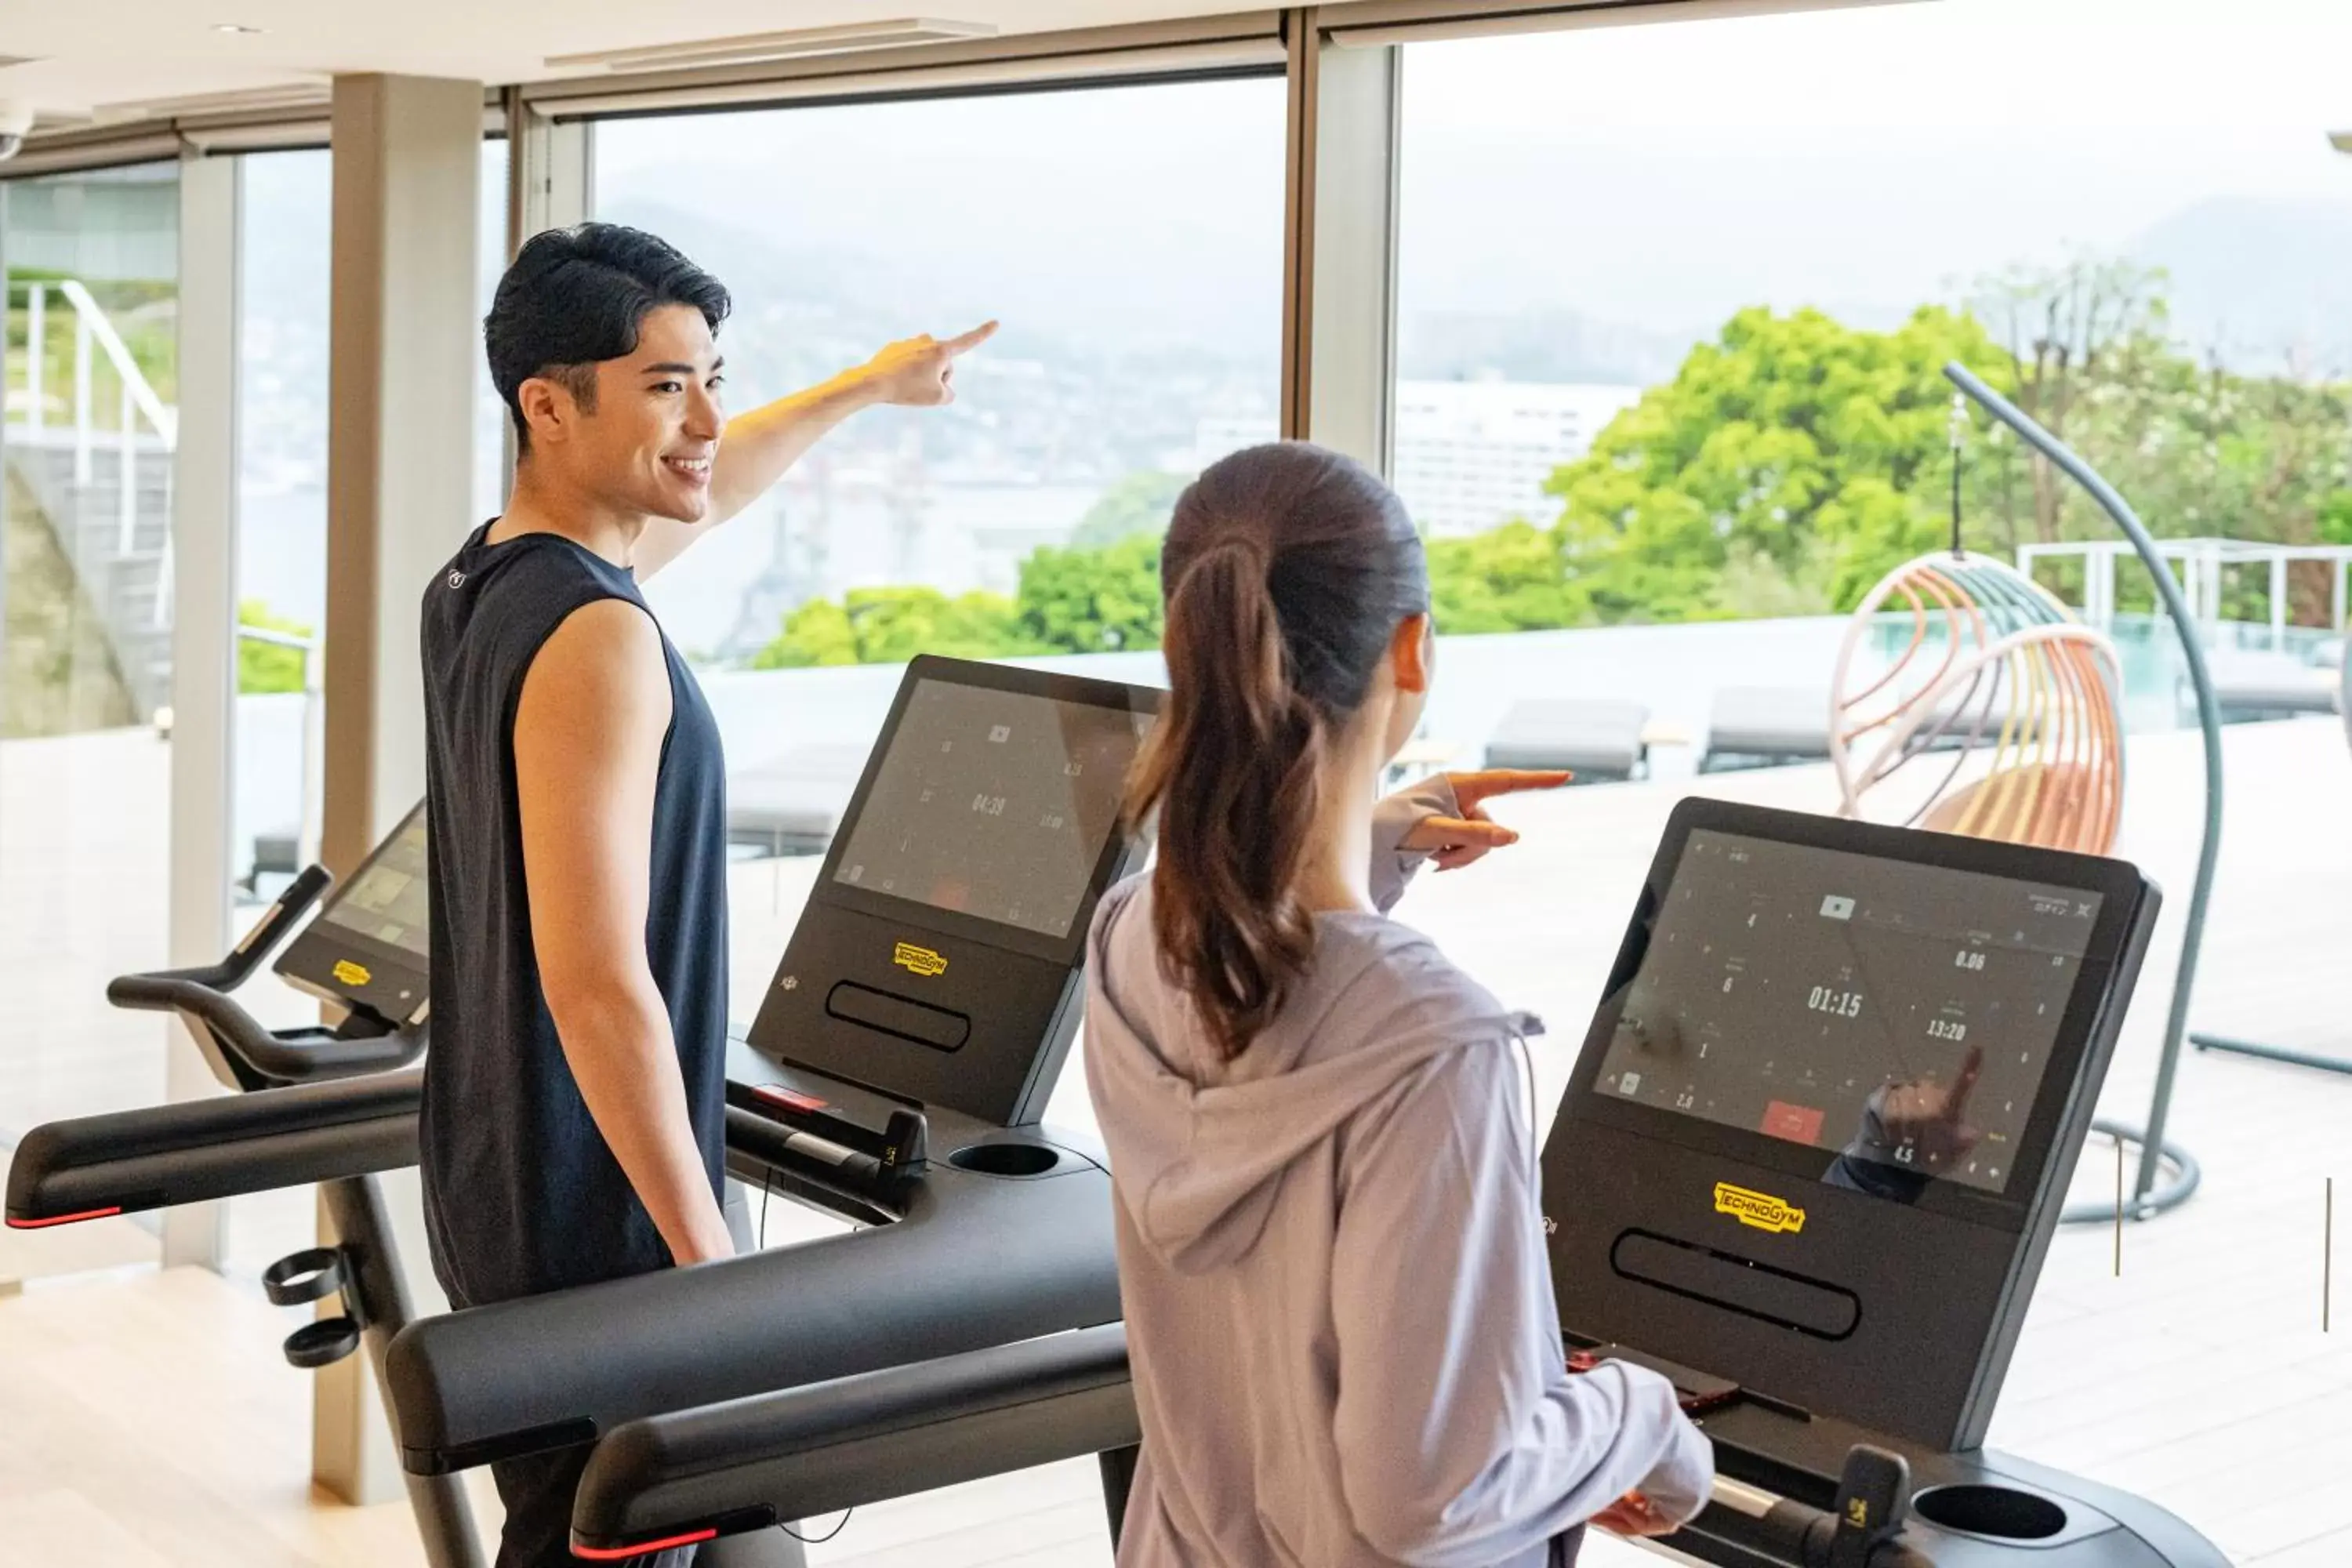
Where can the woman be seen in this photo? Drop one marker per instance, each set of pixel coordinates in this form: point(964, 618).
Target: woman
point(1338, 1307)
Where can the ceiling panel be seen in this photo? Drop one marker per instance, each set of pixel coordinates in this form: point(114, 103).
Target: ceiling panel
point(77, 58)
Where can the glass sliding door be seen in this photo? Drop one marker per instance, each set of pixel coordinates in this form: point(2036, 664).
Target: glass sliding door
point(92, 299)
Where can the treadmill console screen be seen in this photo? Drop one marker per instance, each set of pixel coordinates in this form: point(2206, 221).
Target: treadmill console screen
point(1898, 1014)
point(386, 902)
point(993, 804)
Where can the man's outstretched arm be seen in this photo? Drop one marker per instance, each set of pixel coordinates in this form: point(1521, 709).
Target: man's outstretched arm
point(588, 735)
point(757, 448)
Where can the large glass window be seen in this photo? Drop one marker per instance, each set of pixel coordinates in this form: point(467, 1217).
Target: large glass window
point(1674, 304)
point(285, 254)
point(285, 251)
point(1129, 240)
point(92, 269)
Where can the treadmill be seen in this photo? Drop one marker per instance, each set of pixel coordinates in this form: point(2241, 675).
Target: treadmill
point(1814, 1149)
point(984, 1228)
point(1808, 1166)
point(324, 1104)
point(896, 1076)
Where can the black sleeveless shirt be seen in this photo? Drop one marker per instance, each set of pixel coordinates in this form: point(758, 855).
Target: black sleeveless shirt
point(521, 1193)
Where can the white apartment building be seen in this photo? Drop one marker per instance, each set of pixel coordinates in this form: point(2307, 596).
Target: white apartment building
point(1470, 455)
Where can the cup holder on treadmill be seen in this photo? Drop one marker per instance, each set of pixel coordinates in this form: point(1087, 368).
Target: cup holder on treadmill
point(1007, 1159)
point(2002, 1513)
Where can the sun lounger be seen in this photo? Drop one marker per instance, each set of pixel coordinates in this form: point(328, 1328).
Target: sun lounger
point(1763, 726)
point(791, 804)
point(1596, 741)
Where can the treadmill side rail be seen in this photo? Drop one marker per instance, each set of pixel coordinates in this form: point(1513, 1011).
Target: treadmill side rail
point(814, 1450)
point(161, 1155)
point(977, 1261)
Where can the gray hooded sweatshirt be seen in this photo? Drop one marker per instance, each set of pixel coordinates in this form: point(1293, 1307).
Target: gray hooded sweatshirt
point(1338, 1306)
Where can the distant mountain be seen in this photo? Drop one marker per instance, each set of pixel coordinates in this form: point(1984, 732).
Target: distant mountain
point(1537, 345)
point(758, 268)
point(2267, 285)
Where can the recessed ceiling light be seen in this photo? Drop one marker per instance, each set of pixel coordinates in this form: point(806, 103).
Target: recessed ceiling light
point(238, 30)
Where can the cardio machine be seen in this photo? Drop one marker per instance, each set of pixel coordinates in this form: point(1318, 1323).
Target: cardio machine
point(1808, 1167)
point(329, 1105)
point(896, 1076)
point(983, 1229)
point(1812, 1154)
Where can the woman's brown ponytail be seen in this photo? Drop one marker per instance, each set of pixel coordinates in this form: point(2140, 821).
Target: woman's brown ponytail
point(1286, 569)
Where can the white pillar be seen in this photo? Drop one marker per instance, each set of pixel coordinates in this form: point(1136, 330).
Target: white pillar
point(400, 445)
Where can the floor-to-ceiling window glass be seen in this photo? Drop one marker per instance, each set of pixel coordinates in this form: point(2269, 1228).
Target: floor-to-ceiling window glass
point(285, 258)
point(285, 255)
point(1674, 304)
point(1130, 241)
point(92, 267)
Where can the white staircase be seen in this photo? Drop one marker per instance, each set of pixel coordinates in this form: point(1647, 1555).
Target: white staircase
point(94, 446)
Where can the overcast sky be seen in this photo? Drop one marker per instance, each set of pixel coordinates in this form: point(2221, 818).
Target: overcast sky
point(1665, 173)
point(1656, 174)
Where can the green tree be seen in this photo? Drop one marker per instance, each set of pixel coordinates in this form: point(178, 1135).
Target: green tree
point(2197, 449)
point(1789, 464)
point(1507, 579)
point(1139, 503)
point(267, 667)
point(1070, 601)
point(890, 626)
point(1092, 601)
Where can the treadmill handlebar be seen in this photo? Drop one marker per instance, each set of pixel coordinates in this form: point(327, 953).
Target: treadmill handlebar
point(824, 1446)
point(819, 1448)
point(1875, 1491)
point(977, 1261)
point(202, 993)
point(261, 939)
point(220, 1146)
point(320, 1054)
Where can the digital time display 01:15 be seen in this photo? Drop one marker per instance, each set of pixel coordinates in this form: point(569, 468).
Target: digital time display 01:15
point(1836, 1003)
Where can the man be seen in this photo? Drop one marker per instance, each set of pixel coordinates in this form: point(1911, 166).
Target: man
point(572, 1120)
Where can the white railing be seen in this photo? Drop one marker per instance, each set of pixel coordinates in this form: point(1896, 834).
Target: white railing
point(136, 401)
point(2201, 563)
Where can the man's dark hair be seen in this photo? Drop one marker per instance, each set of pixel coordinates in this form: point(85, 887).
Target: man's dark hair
point(575, 296)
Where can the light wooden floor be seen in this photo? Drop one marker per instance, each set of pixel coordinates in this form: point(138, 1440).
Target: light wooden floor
point(145, 1419)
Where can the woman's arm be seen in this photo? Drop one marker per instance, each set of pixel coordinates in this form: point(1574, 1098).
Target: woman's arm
point(1442, 818)
point(1396, 818)
point(1462, 1439)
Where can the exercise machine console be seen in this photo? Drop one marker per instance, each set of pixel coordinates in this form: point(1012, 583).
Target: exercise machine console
point(935, 968)
point(1815, 1146)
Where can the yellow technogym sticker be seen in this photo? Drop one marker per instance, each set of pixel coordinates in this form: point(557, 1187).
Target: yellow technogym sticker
point(1761, 1210)
point(918, 960)
point(351, 973)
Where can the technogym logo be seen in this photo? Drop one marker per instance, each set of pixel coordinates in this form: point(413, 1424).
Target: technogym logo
point(919, 960)
point(1760, 1211)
